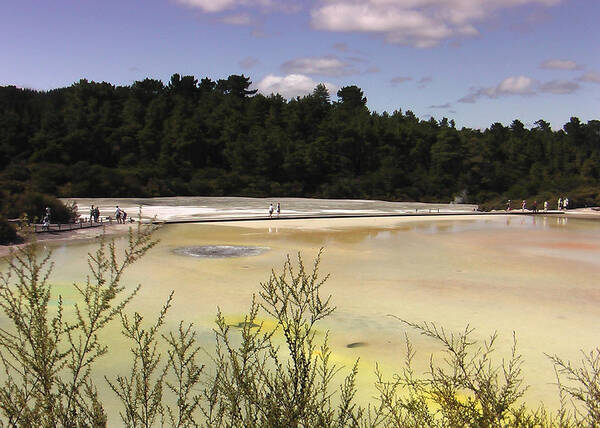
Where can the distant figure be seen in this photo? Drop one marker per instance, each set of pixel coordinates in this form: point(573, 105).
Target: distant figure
point(524, 205)
point(96, 214)
point(118, 214)
point(271, 210)
point(560, 203)
point(566, 203)
point(508, 205)
point(124, 217)
point(92, 214)
point(48, 214)
point(46, 223)
point(278, 209)
point(545, 206)
point(534, 207)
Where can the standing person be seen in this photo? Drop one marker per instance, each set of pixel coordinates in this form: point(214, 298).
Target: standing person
point(118, 214)
point(278, 209)
point(92, 214)
point(524, 205)
point(96, 214)
point(124, 216)
point(559, 203)
point(48, 214)
point(271, 210)
point(545, 206)
point(534, 208)
point(508, 205)
point(565, 203)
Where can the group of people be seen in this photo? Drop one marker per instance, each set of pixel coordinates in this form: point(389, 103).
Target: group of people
point(94, 214)
point(563, 204)
point(277, 210)
point(120, 215)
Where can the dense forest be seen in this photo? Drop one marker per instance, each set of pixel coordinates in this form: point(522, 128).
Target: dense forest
point(201, 137)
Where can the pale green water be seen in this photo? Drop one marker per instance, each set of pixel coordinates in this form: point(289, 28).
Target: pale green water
point(535, 276)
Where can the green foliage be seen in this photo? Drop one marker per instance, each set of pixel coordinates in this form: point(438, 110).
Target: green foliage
point(8, 232)
point(197, 136)
point(33, 206)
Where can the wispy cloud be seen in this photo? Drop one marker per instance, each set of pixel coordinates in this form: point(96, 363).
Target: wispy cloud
point(372, 69)
point(521, 85)
point(238, 19)
point(424, 82)
point(399, 79)
point(441, 106)
point(213, 6)
point(419, 23)
point(560, 64)
point(248, 62)
point(590, 77)
point(290, 86)
point(560, 87)
point(322, 66)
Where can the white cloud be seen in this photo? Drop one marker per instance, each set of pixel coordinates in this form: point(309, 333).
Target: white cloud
point(322, 66)
point(560, 64)
point(290, 86)
point(590, 76)
point(560, 87)
point(419, 23)
point(514, 85)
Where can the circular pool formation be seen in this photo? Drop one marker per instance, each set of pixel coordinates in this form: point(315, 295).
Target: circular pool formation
point(220, 251)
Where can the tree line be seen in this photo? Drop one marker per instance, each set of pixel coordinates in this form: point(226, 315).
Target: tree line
point(218, 138)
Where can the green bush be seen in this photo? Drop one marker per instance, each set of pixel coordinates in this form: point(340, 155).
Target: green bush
point(8, 232)
point(33, 205)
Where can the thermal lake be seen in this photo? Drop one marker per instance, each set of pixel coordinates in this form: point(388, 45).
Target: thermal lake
point(535, 276)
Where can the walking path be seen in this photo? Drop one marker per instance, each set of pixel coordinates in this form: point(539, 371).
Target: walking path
point(417, 213)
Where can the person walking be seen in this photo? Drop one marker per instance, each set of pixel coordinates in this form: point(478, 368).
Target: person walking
point(559, 203)
point(524, 205)
point(508, 205)
point(96, 214)
point(278, 209)
point(545, 206)
point(118, 214)
point(270, 210)
point(566, 203)
point(92, 214)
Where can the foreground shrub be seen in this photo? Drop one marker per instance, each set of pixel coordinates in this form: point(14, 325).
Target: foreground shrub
point(48, 359)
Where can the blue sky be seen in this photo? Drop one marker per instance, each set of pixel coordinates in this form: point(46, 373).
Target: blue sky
point(474, 61)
